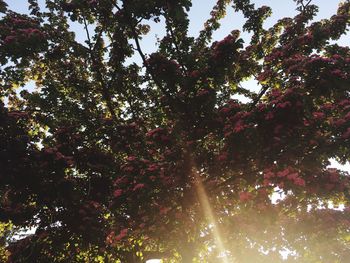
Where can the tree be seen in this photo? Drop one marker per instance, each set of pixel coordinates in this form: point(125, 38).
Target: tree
point(122, 162)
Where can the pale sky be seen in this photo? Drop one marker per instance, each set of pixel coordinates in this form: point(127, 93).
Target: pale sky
point(199, 13)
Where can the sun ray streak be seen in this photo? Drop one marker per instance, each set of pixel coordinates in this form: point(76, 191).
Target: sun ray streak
point(208, 211)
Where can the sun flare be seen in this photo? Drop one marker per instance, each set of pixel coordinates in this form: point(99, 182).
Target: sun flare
point(208, 211)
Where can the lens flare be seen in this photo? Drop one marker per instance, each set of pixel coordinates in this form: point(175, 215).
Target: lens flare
point(208, 211)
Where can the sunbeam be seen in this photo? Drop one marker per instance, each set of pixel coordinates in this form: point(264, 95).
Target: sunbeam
point(208, 211)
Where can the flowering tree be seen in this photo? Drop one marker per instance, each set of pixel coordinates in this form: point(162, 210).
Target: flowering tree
point(118, 162)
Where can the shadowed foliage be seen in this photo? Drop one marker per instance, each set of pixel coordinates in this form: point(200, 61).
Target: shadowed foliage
point(112, 161)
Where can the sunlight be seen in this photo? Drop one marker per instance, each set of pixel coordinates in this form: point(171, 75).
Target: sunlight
point(204, 201)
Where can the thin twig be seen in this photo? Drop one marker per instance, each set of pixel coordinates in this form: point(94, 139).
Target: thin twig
point(105, 93)
point(261, 93)
point(305, 5)
point(170, 24)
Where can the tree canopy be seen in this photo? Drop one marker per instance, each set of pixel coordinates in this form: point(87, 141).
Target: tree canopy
point(117, 161)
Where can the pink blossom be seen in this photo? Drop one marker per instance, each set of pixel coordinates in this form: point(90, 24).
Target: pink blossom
point(18, 114)
point(110, 237)
point(122, 234)
point(164, 210)
point(189, 143)
point(118, 193)
point(283, 105)
point(152, 178)
point(202, 92)
point(59, 156)
point(131, 158)
point(49, 150)
point(245, 196)
point(329, 187)
point(178, 215)
point(19, 21)
point(313, 142)
point(334, 177)
point(293, 176)
point(306, 123)
point(328, 106)
point(269, 175)
point(10, 39)
point(347, 116)
point(239, 126)
point(152, 167)
point(318, 115)
point(299, 181)
point(138, 186)
point(92, 2)
point(223, 156)
point(277, 139)
point(225, 110)
point(344, 102)
point(283, 173)
point(128, 168)
point(227, 134)
point(31, 31)
point(194, 74)
point(346, 135)
point(266, 182)
point(154, 132)
point(339, 122)
point(276, 93)
point(120, 180)
point(338, 73)
point(261, 107)
point(269, 116)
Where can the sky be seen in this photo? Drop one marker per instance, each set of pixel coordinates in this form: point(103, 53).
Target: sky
point(199, 13)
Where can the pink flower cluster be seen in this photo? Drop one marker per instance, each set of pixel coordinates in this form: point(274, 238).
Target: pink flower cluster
point(112, 238)
point(288, 174)
point(159, 135)
point(21, 36)
point(163, 68)
point(245, 196)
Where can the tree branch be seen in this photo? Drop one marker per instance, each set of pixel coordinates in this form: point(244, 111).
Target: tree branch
point(170, 24)
point(105, 92)
point(261, 93)
point(143, 57)
point(305, 5)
